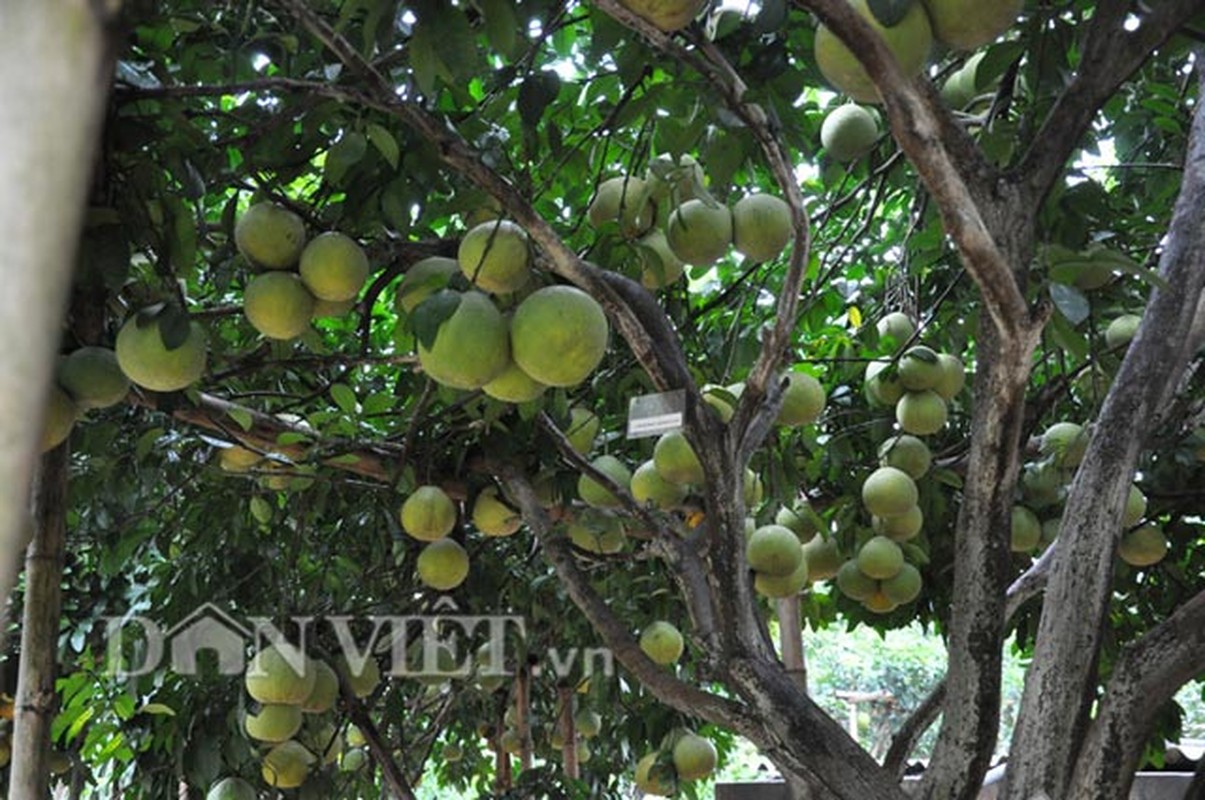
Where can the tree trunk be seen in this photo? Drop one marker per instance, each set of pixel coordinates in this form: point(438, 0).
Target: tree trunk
point(36, 702)
point(55, 75)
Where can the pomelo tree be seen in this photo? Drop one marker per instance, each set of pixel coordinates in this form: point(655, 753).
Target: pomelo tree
point(271, 478)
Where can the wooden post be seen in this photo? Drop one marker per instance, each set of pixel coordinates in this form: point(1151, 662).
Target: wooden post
point(790, 631)
point(36, 701)
point(523, 715)
point(573, 769)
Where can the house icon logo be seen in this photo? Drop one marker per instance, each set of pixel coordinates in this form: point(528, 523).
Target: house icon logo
point(209, 628)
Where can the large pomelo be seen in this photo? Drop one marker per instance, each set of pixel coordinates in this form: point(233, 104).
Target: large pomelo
point(624, 200)
point(761, 226)
point(278, 305)
point(659, 265)
point(909, 41)
point(906, 452)
point(662, 642)
point(888, 492)
point(443, 565)
point(93, 378)
point(428, 514)
point(666, 15)
point(699, 233)
point(471, 347)
point(287, 765)
point(880, 558)
point(774, 550)
point(559, 335)
point(231, 789)
point(270, 235)
point(676, 460)
point(146, 360)
point(968, 24)
point(59, 418)
point(848, 132)
point(649, 487)
point(513, 385)
point(275, 722)
point(594, 493)
point(802, 400)
point(495, 256)
point(334, 267)
point(280, 674)
point(423, 279)
point(694, 757)
point(921, 413)
point(325, 692)
point(1143, 547)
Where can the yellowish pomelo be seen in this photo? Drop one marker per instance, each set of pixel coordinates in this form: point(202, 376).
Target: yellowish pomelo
point(802, 400)
point(495, 256)
point(854, 583)
point(594, 493)
point(698, 233)
point(583, 429)
point(880, 558)
point(559, 335)
point(1065, 444)
point(777, 586)
point(471, 346)
point(909, 41)
point(278, 305)
point(1121, 331)
point(280, 674)
point(513, 385)
point(921, 413)
point(774, 550)
point(879, 603)
point(649, 487)
point(325, 309)
point(1143, 547)
point(145, 359)
point(626, 201)
point(906, 452)
point(654, 778)
point(666, 15)
point(896, 326)
point(270, 235)
point(888, 492)
point(903, 587)
point(823, 557)
point(326, 690)
point(587, 722)
point(953, 376)
point(423, 279)
point(334, 267)
point(597, 533)
point(231, 789)
point(1135, 507)
point(662, 642)
point(93, 378)
point(882, 385)
point(849, 132)
point(968, 24)
point(694, 757)
point(58, 419)
point(364, 677)
point(1025, 530)
point(274, 723)
point(443, 565)
point(900, 527)
point(428, 514)
point(676, 460)
point(287, 765)
point(492, 516)
point(919, 368)
point(761, 226)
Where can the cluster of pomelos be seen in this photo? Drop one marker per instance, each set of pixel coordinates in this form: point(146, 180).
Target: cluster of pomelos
point(683, 755)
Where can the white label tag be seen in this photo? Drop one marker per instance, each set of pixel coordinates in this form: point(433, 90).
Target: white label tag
point(655, 414)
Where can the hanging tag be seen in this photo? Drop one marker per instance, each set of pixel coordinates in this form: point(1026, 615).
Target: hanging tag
point(655, 414)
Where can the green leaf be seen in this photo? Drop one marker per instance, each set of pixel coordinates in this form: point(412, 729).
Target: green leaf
point(425, 61)
point(889, 13)
point(431, 313)
point(158, 709)
point(174, 327)
point(242, 416)
point(500, 25)
point(538, 91)
point(345, 459)
point(1070, 302)
point(343, 155)
point(261, 510)
point(384, 142)
point(344, 397)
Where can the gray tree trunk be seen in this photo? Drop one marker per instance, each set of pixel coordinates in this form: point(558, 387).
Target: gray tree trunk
point(53, 82)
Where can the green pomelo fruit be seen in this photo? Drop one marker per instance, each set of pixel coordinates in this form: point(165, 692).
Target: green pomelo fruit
point(238, 459)
point(626, 201)
point(722, 398)
point(883, 388)
point(903, 587)
point(755, 489)
point(1121, 331)
point(652, 777)
point(597, 533)
point(855, 584)
point(594, 493)
point(287, 765)
point(513, 385)
point(802, 400)
point(583, 429)
point(880, 558)
point(676, 181)
point(1065, 444)
point(452, 753)
point(334, 267)
point(325, 309)
point(649, 487)
point(428, 514)
point(423, 279)
point(919, 369)
point(676, 461)
point(1025, 530)
point(659, 266)
point(231, 789)
point(325, 692)
point(355, 737)
point(145, 359)
point(969, 24)
point(888, 492)
point(761, 226)
point(666, 15)
point(800, 520)
point(322, 739)
point(906, 453)
point(278, 305)
point(849, 132)
point(559, 335)
point(587, 722)
point(443, 565)
point(274, 723)
point(823, 558)
point(777, 586)
point(896, 326)
point(698, 233)
point(909, 41)
point(901, 527)
point(353, 760)
point(921, 413)
point(953, 376)
point(471, 346)
point(270, 235)
point(1143, 547)
point(495, 256)
point(879, 603)
point(662, 643)
point(58, 419)
point(280, 674)
point(363, 679)
point(93, 378)
point(493, 517)
point(694, 757)
point(1135, 507)
point(774, 550)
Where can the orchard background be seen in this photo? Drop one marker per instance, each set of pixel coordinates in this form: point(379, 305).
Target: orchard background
point(1006, 200)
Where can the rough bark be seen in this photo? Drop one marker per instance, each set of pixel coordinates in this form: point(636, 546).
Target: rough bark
point(1059, 687)
point(53, 62)
point(36, 701)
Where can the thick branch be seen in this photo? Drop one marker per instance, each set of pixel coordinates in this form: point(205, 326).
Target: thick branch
point(391, 772)
point(1059, 688)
